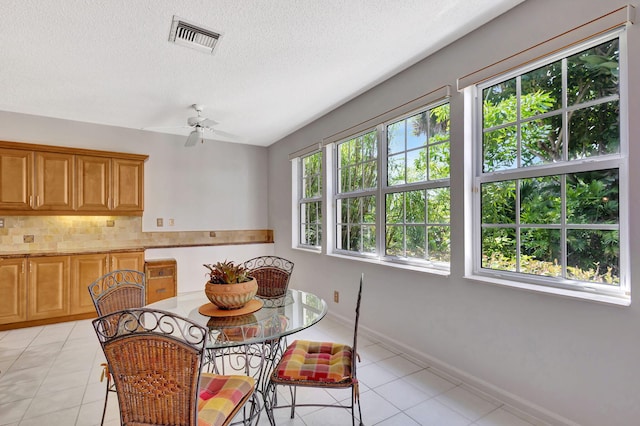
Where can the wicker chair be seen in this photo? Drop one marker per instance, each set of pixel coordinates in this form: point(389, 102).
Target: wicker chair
point(155, 358)
point(115, 291)
point(325, 365)
point(272, 273)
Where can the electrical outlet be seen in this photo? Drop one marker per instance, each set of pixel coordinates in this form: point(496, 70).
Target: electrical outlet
point(212, 234)
point(159, 222)
point(336, 296)
point(1, 222)
point(172, 222)
point(111, 223)
point(28, 238)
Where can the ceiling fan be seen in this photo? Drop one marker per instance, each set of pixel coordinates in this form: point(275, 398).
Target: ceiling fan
point(201, 124)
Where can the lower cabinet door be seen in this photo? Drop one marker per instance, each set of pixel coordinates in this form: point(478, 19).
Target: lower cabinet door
point(48, 287)
point(13, 290)
point(85, 269)
point(127, 260)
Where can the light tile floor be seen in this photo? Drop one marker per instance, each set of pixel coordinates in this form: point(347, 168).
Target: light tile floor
point(51, 375)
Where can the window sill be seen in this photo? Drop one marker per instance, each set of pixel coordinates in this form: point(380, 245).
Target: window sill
point(307, 249)
point(574, 294)
point(409, 267)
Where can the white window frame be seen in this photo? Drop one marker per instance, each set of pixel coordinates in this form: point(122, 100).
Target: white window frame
point(381, 192)
point(298, 199)
point(592, 291)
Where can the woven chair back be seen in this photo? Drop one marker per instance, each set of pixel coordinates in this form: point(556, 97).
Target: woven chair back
point(272, 274)
point(155, 359)
point(118, 290)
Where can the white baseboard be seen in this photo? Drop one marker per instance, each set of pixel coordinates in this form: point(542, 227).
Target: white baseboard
point(513, 403)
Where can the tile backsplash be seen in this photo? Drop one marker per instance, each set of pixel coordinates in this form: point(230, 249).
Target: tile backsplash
point(93, 233)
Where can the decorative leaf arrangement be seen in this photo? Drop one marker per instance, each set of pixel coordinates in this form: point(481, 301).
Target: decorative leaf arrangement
point(227, 273)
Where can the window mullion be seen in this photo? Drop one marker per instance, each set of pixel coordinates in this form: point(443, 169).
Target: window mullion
point(381, 209)
point(521, 133)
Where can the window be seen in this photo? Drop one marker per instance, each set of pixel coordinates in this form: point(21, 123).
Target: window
point(417, 193)
point(402, 213)
point(310, 200)
point(550, 166)
point(356, 201)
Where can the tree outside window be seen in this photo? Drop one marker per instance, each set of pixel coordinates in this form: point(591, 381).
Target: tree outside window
point(550, 170)
point(403, 213)
point(310, 203)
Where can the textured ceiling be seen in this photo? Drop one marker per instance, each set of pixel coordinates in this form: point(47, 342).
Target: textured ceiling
point(279, 65)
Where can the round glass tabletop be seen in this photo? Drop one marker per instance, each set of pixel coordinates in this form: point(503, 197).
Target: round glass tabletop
point(276, 318)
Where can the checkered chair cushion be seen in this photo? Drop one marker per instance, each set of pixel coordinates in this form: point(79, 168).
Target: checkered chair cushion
point(326, 362)
point(219, 396)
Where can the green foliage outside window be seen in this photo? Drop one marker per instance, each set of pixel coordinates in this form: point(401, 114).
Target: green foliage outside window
point(310, 206)
point(533, 120)
point(418, 220)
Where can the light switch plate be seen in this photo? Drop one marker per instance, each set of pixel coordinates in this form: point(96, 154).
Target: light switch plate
point(159, 222)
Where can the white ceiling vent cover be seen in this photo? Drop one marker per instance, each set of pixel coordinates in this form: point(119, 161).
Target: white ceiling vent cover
point(191, 35)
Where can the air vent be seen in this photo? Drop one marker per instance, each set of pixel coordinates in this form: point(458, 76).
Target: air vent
point(190, 35)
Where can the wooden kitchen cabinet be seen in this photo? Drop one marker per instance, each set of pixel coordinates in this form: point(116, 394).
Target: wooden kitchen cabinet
point(128, 185)
point(16, 179)
point(48, 287)
point(93, 187)
point(161, 276)
point(53, 182)
point(85, 269)
point(13, 288)
point(127, 260)
point(36, 181)
point(37, 290)
point(109, 184)
point(39, 179)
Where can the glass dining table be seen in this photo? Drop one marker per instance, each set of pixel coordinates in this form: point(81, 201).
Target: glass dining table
point(252, 342)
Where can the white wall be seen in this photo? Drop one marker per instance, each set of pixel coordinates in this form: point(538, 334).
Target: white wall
point(191, 274)
point(569, 361)
point(212, 186)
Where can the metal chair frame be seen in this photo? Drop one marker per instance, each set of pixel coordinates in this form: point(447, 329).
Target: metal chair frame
point(351, 382)
point(115, 291)
point(272, 274)
point(156, 357)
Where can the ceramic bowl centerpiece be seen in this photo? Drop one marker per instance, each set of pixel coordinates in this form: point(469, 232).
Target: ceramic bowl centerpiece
point(230, 286)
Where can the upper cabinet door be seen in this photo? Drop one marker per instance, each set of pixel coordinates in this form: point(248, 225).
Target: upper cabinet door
point(128, 185)
point(16, 184)
point(54, 182)
point(47, 180)
point(93, 188)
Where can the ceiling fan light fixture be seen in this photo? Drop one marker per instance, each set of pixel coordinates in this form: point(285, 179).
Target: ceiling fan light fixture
point(191, 35)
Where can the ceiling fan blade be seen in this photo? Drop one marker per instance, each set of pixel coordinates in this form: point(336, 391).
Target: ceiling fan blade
point(155, 129)
point(225, 134)
point(193, 138)
point(207, 122)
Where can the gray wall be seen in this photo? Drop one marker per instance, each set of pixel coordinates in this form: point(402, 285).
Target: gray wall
point(212, 186)
point(215, 185)
point(566, 360)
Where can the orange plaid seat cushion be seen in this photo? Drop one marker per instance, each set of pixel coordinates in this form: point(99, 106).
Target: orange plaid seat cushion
point(219, 395)
point(315, 361)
